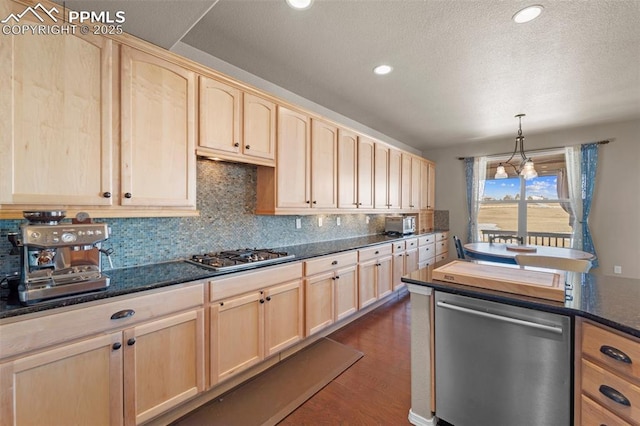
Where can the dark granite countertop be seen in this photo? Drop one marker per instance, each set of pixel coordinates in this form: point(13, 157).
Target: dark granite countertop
point(148, 277)
point(611, 301)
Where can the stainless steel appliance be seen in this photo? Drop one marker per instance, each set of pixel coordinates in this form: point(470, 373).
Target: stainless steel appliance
point(498, 364)
point(61, 259)
point(239, 259)
point(400, 225)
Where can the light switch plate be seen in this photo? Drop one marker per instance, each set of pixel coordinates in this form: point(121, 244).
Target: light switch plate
point(320, 221)
point(338, 220)
point(298, 223)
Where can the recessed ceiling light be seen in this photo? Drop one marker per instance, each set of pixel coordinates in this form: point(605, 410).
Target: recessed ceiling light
point(383, 69)
point(299, 4)
point(527, 14)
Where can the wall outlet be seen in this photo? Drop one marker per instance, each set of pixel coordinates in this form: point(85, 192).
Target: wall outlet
point(366, 219)
point(338, 220)
point(320, 221)
point(617, 269)
point(298, 223)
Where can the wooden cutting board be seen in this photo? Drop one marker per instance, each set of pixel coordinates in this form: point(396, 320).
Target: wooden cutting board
point(526, 282)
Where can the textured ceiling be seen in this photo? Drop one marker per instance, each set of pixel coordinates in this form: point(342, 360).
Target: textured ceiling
point(462, 69)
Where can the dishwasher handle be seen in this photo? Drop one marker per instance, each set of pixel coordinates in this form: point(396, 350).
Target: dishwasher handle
point(552, 329)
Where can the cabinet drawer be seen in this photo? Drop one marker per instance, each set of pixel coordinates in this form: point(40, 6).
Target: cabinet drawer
point(411, 243)
point(327, 263)
point(426, 239)
point(441, 257)
point(594, 414)
point(399, 246)
point(441, 247)
point(236, 284)
point(374, 252)
point(597, 382)
point(30, 334)
point(610, 349)
point(426, 252)
point(442, 236)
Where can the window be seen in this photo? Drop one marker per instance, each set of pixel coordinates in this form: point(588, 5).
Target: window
point(536, 209)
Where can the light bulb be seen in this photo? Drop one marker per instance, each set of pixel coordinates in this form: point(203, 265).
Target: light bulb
point(501, 173)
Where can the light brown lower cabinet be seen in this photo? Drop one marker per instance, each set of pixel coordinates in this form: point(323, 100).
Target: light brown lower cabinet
point(607, 376)
point(248, 328)
point(375, 274)
point(124, 377)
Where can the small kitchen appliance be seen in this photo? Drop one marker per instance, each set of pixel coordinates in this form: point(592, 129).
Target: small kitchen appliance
point(60, 259)
point(400, 225)
point(232, 260)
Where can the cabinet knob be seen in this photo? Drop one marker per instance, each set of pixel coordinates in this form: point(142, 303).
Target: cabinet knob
point(377, 252)
point(116, 346)
point(106, 194)
point(268, 298)
point(236, 144)
point(247, 147)
point(333, 278)
point(359, 204)
point(125, 313)
point(127, 195)
point(307, 201)
point(335, 262)
point(338, 277)
point(131, 341)
point(221, 303)
point(261, 300)
point(315, 202)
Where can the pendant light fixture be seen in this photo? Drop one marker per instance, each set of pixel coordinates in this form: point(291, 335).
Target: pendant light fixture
point(525, 168)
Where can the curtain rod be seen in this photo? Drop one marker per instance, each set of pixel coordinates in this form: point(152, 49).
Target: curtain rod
point(603, 142)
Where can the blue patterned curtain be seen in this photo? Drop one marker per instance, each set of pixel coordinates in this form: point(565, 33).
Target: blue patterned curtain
point(588, 167)
point(468, 173)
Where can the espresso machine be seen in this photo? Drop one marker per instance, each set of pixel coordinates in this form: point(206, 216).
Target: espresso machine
point(60, 259)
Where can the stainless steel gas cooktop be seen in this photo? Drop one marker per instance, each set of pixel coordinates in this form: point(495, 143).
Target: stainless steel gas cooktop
point(238, 259)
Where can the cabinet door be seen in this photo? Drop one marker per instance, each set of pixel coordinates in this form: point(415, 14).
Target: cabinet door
point(346, 292)
point(293, 160)
point(406, 180)
point(219, 116)
point(395, 166)
point(324, 165)
point(398, 268)
point(367, 288)
point(427, 185)
point(157, 117)
point(410, 265)
point(237, 335)
point(76, 384)
point(283, 316)
point(415, 183)
point(164, 365)
point(259, 128)
point(55, 118)
point(319, 296)
point(347, 169)
point(381, 177)
point(365, 172)
point(384, 276)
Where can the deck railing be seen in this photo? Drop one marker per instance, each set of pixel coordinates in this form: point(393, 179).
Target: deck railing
point(551, 239)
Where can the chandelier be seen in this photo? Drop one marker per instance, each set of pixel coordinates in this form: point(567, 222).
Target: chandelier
point(525, 167)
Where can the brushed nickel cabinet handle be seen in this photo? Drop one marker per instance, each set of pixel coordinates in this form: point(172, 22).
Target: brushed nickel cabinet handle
point(615, 353)
point(614, 395)
point(125, 313)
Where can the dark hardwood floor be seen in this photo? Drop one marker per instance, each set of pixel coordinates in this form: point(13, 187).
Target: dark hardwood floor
point(376, 390)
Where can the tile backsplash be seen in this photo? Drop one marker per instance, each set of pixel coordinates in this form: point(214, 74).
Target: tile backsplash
point(226, 198)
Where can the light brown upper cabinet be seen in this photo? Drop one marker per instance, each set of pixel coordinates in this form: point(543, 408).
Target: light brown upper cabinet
point(427, 185)
point(410, 181)
point(158, 126)
point(55, 119)
point(387, 180)
point(235, 126)
point(366, 167)
point(305, 177)
point(347, 169)
point(324, 165)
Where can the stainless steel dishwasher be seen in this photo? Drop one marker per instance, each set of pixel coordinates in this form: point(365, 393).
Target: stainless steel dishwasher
point(501, 365)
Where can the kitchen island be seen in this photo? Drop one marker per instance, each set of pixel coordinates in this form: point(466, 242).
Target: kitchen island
point(602, 309)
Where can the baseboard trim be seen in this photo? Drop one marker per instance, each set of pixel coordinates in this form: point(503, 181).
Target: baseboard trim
point(418, 420)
